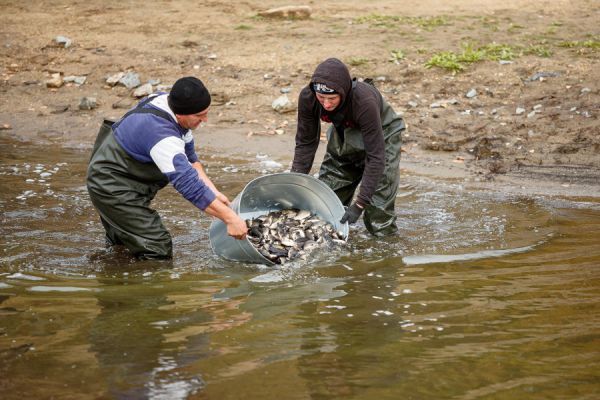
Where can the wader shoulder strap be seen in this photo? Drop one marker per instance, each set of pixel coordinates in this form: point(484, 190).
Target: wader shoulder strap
point(108, 126)
point(139, 109)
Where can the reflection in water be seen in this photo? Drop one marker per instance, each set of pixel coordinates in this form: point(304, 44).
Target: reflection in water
point(481, 295)
point(127, 338)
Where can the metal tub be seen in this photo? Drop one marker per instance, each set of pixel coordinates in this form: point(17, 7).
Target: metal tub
point(271, 193)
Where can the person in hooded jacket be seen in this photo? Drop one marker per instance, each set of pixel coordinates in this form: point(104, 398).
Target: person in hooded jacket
point(364, 142)
point(135, 157)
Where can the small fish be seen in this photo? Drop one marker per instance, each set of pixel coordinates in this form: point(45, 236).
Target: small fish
point(284, 235)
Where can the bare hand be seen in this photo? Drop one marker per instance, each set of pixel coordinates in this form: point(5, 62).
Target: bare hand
point(237, 228)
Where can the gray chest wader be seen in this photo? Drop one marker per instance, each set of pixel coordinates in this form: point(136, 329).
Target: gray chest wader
point(121, 189)
point(344, 163)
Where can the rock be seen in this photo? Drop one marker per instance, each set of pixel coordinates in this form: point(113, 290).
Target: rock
point(63, 41)
point(287, 12)
point(125, 103)
point(531, 114)
point(285, 90)
point(412, 104)
point(55, 81)
point(88, 103)
point(471, 93)
point(504, 62)
point(283, 105)
point(219, 98)
point(5, 127)
point(443, 103)
point(585, 90)
point(212, 56)
point(486, 149)
point(519, 110)
point(130, 80)
point(78, 80)
point(114, 79)
point(539, 76)
point(59, 109)
point(537, 107)
point(143, 90)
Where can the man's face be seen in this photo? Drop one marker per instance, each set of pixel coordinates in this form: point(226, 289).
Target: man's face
point(329, 101)
point(192, 121)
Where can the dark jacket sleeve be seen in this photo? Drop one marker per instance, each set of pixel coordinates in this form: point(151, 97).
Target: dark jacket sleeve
point(367, 114)
point(307, 133)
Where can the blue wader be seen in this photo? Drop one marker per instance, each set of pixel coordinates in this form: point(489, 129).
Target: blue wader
point(121, 189)
point(344, 163)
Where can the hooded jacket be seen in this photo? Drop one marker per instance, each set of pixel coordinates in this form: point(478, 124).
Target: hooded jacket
point(360, 107)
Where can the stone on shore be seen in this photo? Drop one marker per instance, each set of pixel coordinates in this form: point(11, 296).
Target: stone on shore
point(287, 12)
point(283, 104)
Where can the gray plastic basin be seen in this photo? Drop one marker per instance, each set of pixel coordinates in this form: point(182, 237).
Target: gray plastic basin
point(271, 193)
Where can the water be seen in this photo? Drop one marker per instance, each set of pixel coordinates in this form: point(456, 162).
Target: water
point(481, 296)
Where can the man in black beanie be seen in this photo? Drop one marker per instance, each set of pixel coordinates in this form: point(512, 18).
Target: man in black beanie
point(135, 157)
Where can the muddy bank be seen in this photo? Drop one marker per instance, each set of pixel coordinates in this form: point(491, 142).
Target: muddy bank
point(503, 96)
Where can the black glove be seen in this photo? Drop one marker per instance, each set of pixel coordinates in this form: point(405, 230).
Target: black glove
point(352, 214)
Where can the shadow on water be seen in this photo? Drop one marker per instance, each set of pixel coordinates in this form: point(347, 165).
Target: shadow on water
point(495, 296)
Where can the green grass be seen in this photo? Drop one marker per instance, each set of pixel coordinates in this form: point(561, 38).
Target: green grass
point(538, 50)
point(495, 52)
point(391, 21)
point(243, 27)
point(447, 60)
point(396, 56)
point(590, 44)
point(456, 62)
point(357, 61)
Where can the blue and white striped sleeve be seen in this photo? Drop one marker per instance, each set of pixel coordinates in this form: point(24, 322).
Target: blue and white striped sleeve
point(190, 152)
point(169, 155)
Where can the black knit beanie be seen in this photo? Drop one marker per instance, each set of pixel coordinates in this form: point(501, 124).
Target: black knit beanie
point(188, 96)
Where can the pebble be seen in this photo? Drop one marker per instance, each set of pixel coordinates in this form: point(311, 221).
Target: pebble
point(519, 110)
point(78, 80)
point(112, 80)
point(539, 76)
point(531, 114)
point(287, 12)
point(283, 104)
point(88, 103)
point(412, 104)
point(471, 93)
point(55, 81)
point(63, 41)
point(130, 80)
point(143, 91)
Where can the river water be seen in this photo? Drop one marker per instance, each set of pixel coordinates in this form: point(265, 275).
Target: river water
point(482, 295)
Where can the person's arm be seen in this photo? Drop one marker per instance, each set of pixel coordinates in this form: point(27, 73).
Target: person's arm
point(307, 133)
point(367, 115)
point(202, 174)
point(170, 157)
point(236, 226)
